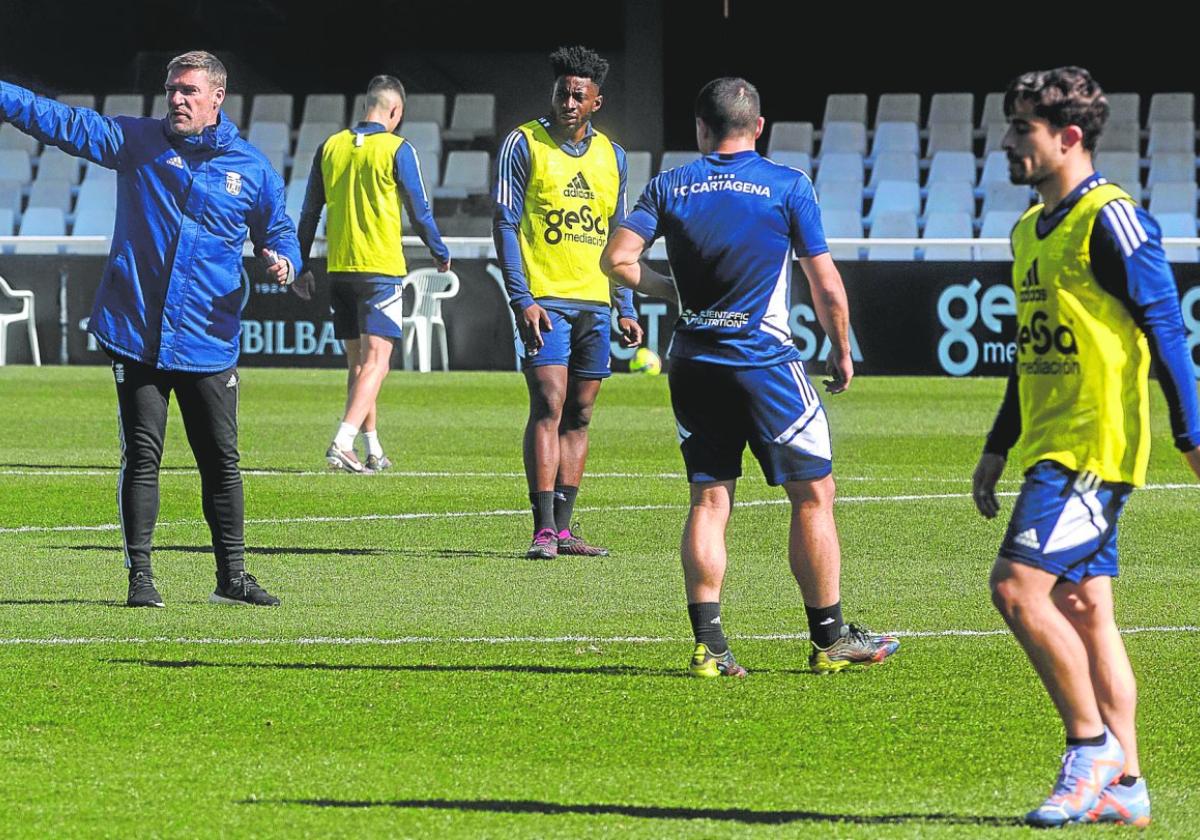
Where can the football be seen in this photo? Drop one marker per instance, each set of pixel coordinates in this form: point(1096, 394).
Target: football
point(645, 361)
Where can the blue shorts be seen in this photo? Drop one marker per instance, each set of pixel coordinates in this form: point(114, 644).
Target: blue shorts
point(1065, 523)
point(372, 306)
point(578, 342)
point(719, 409)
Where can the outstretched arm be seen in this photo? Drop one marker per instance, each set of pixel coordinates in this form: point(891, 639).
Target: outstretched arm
point(77, 131)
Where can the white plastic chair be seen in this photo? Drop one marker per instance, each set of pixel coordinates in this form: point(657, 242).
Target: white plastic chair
point(26, 313)
point(430, 287)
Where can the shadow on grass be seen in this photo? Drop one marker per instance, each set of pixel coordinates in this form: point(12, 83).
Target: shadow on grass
point(599, 670)
point(114, 468)
point(250, 549)
point(738, 815)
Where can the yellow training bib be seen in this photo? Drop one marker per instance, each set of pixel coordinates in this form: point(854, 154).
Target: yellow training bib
point(1082, 361)
point(564, 227)
point(362, 221)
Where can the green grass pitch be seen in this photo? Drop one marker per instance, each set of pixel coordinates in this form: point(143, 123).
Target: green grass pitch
point(422, 679)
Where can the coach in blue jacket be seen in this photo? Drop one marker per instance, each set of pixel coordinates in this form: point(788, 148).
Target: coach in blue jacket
point(168, 310)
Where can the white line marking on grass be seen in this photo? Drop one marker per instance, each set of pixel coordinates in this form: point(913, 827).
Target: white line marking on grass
point(371, 641)
point(460, 514)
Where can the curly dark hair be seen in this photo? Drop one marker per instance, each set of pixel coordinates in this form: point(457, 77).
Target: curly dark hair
point(1063, 96)
point(579, 61)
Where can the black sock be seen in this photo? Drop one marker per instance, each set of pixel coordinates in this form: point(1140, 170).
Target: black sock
point(706, 625)
point(824, 624)
point(1097, 741)
point(564, 505)
point(1128, 781)
point(543, 509)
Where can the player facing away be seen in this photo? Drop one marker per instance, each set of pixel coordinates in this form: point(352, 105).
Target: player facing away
point(560, 188)
point(1096, 306)
point(363, 174)
point(732, 221)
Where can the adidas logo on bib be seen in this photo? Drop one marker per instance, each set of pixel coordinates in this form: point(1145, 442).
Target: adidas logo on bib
point(579, 188)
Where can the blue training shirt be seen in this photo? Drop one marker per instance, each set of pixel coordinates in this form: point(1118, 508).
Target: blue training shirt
point(1129, 262)
point(732, 223)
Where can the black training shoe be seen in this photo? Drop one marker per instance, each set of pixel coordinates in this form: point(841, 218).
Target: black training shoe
point(142, 592)
point(243, 589)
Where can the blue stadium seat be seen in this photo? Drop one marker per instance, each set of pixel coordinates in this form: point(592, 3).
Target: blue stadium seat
point(893, 224)
point(898, 107)
point(949, 226)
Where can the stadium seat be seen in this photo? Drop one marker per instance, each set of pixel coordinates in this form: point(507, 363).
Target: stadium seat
point(638, 175)
point(15, 166)
point(796, 160)
point(96, 172)
point(840, 166)
point(895, 166)
point(98, 221)
point(358, 110)
point(841, 195)
point(425, 107)
point(952, 166)
point(270, 137)
point(954, 108)
point(896, 137)
point(1006, 196)
point(950, 197)
point(845, 107)
point(124, 105)
point(301, 166)
point(993, 111)
point(430, 287)
point(1124, 108)
point(949, 137)
point(26, 314)
point(993, 140)
point(1121, 168)
point(11, 138)
point(1120, 137)
point(675, 159)
point(234, 107)
point(324, 108)
point(294, 200)
point(97, 194)
point(893, 224)
point(1179, 224)
point(1171, 166)
point(6, 221)
point(426, 140)
point(1166, 137)
point(897, 107)
point(277, 159)
point(842, 224)
point(995, 169)
point(11, 193)
point(844, 137)
point(271, 107)
point(1173, 197)
point(466, 175)
point(1172, 107)
point(895, 197)
point(41, 221)
point(312, 135)
point(57, 164)
point(50, 192)
point(791, 137)
point(949, 226)
point(997, 224)
point(473, 117)
point(78, 100)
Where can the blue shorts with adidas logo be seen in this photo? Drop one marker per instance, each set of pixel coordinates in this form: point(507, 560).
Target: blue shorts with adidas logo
point(1065, 522)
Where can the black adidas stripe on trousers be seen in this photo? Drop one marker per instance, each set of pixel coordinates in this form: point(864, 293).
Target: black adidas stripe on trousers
point(208, 403)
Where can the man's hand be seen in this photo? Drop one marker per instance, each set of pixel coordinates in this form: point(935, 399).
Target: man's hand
point(442, 266)
point(631, 332)
point(983, 483)
point(841, 371)
point(305, 285)
point(1193, 459)
point(531, 321)
point(278, 268)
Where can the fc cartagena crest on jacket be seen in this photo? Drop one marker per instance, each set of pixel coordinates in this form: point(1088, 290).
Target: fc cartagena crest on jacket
point(233, 183)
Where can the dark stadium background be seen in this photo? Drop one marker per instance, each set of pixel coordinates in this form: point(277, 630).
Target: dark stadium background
point(661, 50)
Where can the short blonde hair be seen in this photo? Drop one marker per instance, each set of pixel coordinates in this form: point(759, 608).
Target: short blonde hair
point(200, 60)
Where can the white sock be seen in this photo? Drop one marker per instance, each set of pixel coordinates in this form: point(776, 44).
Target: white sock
point(344, 439)
point(371, 439)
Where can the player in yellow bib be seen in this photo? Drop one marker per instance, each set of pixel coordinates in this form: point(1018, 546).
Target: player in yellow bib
point(560, 190)
point(1096, 306)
